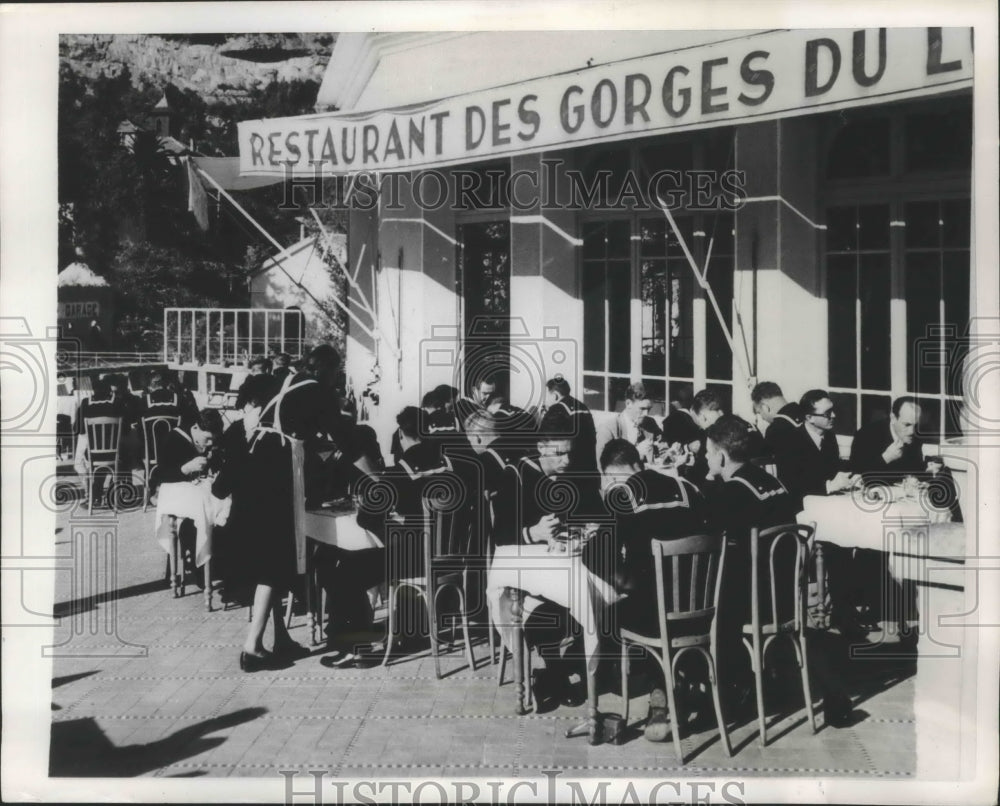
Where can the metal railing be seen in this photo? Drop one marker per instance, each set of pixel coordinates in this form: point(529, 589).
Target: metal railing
point(219, 336)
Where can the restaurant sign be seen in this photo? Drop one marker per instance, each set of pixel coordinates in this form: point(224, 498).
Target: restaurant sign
point(748, 78)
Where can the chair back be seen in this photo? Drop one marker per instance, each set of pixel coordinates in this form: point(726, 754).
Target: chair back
point(155, 429)
point(780, 559)
point(691, 567)
point(450, 523)
point(103, 438)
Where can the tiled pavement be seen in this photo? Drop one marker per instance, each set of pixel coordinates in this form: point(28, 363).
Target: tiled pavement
point(164, 696)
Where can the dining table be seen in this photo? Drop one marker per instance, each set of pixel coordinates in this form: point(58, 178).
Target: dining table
point(926, 548)
point(336, 525)
point(192, 499)
point(520, 578)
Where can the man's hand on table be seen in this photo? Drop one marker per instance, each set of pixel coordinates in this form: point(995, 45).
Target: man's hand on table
point(196, 465)
point(543, 531)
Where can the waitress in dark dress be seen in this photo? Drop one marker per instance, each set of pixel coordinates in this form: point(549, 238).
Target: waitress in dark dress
point(302, 414)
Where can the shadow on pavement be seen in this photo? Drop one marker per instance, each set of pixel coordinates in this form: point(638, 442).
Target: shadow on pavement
point(80, 749)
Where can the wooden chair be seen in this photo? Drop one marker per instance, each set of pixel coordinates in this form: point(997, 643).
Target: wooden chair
point(153, 430)
point(784, 611)
point(103, 441)
point(444, 540)
point(687, 621)
point(178, 577)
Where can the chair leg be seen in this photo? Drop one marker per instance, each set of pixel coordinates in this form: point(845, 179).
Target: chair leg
point(113, 492)
point(806, 688)
point(208, 585)
point(465, 630)
point(502, 666)
point(288, 609)
point(432, 624)
point(491, 637)
point(390, 624)
point(717, 702)
point(625, 698)
point(675, 720)
point(145, 490)
point(758, 682)
point(90, 492)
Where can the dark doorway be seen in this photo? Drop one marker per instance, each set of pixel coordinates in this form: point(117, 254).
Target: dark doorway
point(484, 279)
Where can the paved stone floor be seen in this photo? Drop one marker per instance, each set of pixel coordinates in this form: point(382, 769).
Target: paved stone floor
point(148, 685)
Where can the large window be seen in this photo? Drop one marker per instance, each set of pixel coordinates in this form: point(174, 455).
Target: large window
point(634, 255)
point(897, 261)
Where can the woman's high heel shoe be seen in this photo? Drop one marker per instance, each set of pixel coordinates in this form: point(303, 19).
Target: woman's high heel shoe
point(254, 663)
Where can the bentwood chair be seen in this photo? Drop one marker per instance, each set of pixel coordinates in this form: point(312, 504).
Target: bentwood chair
point(103, 441)
point(686, 617)
point(443, 543)
point(780, 561)
point(154, 429)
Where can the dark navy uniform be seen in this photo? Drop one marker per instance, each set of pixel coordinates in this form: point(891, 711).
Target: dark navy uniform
point(571, 496)
point(679, 426)
point(161, 403)
point(783, 431)
point(805, 469)
point(583, 453)
point(752, 497)
point(649, 505)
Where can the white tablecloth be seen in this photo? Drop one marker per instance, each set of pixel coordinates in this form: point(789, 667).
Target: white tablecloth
point(194, 500)
point(558, 578)
point(339, 529)
point(847, 521)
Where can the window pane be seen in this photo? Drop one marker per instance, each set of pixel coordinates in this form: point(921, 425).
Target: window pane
point(874, 408)
point(955, 284)
point(594, 392)
point(841, 285)
point(725, 391)
point(593, 315)
point(953, 418)
point(619, 234)
point(594, 237)
point(653, 283)
point(617, 387)
point(652, 237)
point(939, 141)
point(680, 325)
point(873, 226)
point(846, 421)
point(841, 229)
point(861, 148)
point(957, 228)
point(929, 427)
point(922, 228)
point(656, 391)
point(923, 289)
point(874, 278)
point(681, 394)
point(619, 302)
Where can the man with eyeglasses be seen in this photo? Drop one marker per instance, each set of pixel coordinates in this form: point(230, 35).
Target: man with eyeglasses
point(810, 463)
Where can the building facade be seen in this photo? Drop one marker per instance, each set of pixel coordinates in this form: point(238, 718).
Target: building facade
point(818, 189)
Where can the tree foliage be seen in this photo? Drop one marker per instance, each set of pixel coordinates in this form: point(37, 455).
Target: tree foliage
point(125, 208)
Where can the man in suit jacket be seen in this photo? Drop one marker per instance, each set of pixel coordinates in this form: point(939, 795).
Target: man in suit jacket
point(625, 424)
point(809, 463)
point(889, 450)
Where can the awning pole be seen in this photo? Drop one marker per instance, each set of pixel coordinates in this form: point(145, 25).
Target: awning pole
point(351, 281)
point(705, 286)
point(281, 248)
